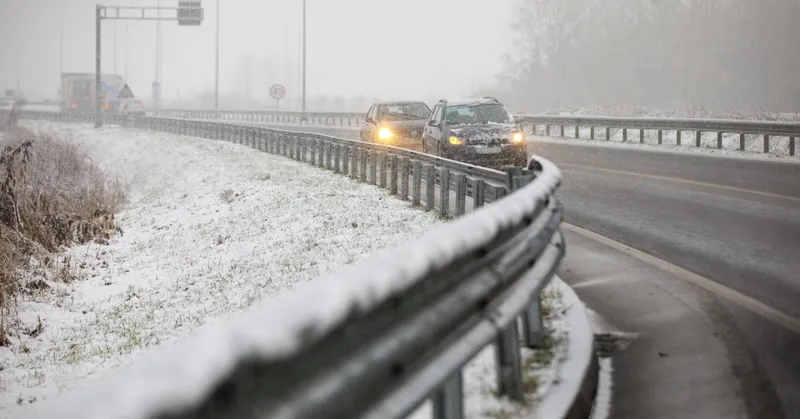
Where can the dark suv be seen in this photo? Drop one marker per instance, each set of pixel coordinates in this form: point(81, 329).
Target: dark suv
point(477, 131)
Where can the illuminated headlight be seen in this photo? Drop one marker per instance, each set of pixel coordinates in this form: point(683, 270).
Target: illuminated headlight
point(517, 138)
point(455, 140)
point(384, 134)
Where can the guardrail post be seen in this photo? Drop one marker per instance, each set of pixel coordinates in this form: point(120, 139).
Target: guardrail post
point(373, 167)
point(719, 140)
point(624, 135)
point(562, 131)
point(262, 145)
point(461, 194)
point(448, 401)
point(393, 175)
point(404, 173)
point(741, 142)
point(382, 157)
point(608, 134)
point(346, 160)
point(479, 193)
point(791, 146)
point(416, 188)
point(577, 131)
point(354, 162)
point(509, 364)
point(337, 158)
point(430, 186)
point(698, 139)
point(312, 142)
point(766, 144)
point(641, 135)
point(329, 155)
point(591, 133)
point(444, 192)
point(533, 324)
point(512, 175)
point(660, 137)
point(678, 137)
point(363, 165)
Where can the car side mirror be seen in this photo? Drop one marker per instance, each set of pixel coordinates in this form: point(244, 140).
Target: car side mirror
point(432, 123)
point(369, 119)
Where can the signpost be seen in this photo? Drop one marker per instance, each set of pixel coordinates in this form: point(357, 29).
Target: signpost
point(188, 13)
point(277, 91)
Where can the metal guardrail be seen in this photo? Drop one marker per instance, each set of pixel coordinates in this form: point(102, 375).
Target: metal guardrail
point(698, 126)
point(382, 336)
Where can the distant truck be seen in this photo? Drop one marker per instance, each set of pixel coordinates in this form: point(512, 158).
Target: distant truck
point(77, 92)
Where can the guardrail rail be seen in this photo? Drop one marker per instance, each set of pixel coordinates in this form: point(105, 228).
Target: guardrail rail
point(381, 336)
point(764, 129)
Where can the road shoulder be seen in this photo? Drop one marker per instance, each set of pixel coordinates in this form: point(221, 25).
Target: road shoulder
point(679, 365)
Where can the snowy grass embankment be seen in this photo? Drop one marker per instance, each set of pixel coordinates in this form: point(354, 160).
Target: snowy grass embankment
point(210, 229)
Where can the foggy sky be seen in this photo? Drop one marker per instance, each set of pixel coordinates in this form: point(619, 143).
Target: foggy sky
point(383, 48)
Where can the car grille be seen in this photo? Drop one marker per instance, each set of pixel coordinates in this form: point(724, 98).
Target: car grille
point(488, 141)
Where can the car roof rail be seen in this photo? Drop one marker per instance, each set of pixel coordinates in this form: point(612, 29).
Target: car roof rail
point(491, 98)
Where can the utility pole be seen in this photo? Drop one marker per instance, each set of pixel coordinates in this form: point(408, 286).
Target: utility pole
point(304, 56)
point(216, 70)
point(98, 116)
point(158, 55)
point(127, 49)
point(61, 52)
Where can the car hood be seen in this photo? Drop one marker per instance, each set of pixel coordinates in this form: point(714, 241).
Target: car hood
point(484, 133)
point(405, 125)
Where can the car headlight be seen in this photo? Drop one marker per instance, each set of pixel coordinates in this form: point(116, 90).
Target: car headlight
point(517, 138)
point(384, 134)
point(455, 140)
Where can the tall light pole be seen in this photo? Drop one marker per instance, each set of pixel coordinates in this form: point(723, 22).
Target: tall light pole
point(216, 63)
point(127, 49)
point(304, 56)
point(61, 52)
point(158, 55)
point(115, 47)
point(19, 72)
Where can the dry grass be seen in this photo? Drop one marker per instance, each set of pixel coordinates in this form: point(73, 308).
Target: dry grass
point(51, 196)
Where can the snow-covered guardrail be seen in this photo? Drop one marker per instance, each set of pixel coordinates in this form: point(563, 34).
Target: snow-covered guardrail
point(385, 334)
point(764, 129)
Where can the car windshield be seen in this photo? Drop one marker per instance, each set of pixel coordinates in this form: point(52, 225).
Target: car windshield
point(477, 114)
point(403, 111)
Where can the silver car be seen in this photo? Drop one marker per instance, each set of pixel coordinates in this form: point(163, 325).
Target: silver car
point(131, 108)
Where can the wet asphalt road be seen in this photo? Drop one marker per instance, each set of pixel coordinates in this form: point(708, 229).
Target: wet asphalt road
point(733, 221)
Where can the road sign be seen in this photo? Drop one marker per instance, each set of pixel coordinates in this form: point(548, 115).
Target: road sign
point(190, 12)
point(277, 91)
point(156, 89)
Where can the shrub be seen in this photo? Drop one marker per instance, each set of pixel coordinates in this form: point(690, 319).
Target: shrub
point(51, 196)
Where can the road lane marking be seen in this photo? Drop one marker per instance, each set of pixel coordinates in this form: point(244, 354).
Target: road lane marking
point(679, 180)
point(751, 304)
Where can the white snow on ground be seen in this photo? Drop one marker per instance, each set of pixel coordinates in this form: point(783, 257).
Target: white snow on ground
point(210, 229)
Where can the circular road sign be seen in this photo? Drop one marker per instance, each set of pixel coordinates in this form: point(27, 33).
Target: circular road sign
point(277, 91)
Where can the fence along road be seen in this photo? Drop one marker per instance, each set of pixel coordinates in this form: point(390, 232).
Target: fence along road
point(767, 130)
point(383, 335)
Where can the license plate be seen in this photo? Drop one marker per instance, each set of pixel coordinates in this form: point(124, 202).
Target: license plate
point(487, 150)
